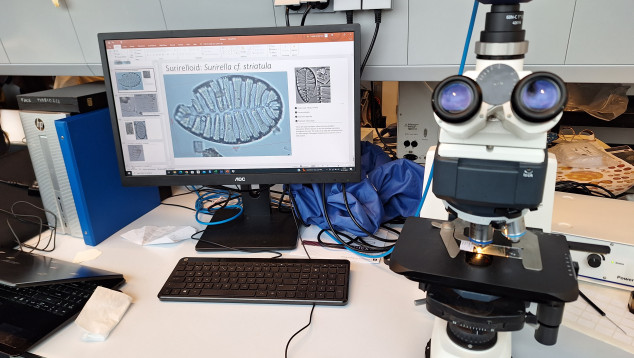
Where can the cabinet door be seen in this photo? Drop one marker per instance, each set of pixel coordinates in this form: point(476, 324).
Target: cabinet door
point(438, 30)
point(36, 32)
point(3, 54)
point(91, 17)
point(602, 33)
point(214, 14)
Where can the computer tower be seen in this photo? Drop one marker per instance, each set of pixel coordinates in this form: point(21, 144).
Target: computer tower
point(75, 163)
point(50, 171)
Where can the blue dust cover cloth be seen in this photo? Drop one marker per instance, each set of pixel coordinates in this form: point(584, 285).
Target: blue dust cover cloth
point(388, 189)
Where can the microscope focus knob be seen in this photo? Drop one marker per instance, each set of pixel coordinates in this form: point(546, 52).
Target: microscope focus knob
point(594, 260)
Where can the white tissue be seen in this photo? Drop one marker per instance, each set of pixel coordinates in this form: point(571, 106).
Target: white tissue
point(86, 255)
point(102, 313)
point(154, 235)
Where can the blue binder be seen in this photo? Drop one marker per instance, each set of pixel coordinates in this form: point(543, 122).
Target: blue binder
point(103, 205)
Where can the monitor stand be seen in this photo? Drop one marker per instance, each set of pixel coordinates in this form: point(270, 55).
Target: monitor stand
point(260, 227)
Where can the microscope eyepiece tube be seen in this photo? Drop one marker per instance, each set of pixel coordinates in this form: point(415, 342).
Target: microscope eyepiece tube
point(539, 97)
point(457, 99)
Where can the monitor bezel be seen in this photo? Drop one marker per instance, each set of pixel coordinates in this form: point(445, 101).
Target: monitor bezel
point(248, 178)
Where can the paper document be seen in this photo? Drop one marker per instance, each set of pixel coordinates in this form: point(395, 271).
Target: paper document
point(581, 317)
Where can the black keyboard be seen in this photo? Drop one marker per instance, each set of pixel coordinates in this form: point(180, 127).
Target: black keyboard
point(59, 299)
point(258, 280)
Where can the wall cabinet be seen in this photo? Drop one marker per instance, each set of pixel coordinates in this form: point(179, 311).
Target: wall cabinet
point(582, 40)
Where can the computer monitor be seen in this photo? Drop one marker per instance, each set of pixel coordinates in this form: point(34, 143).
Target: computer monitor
point(236, 106)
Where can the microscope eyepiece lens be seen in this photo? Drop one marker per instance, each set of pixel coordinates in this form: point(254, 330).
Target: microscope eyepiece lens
point(456, 99)
point(539, 97)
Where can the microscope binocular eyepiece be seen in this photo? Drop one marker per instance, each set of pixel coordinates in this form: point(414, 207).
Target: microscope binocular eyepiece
point(457, 99)
point(536, 98)
point(539, 97)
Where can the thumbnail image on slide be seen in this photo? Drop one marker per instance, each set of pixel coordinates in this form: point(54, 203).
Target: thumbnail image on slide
point(312, 84)
point(234, 114)
point(129, 81)
point(138, 105)
point(136, 153)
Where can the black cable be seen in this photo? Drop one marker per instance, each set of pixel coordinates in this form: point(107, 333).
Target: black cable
point(310, 319)
point(7, 143)
point(570, 186)
point(349, 16)
point(377, 22)
point(390, 229)
point(52, 239)
point(356, 243)
point(329, 244)
point(334, 232)
point(295, 208)
point(304, 246)
point(189, 191)
point(345, 200)
point(286, 13)
point(396, 221)
point(280, 207)
point(179, 206)
point(376, 111)
point(385, 146)
point(15, 184)
point(308, 7)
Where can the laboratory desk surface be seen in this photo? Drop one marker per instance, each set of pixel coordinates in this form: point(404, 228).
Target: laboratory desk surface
point(380, 319)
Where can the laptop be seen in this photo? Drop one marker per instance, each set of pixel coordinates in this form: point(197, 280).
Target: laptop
point(39, 294)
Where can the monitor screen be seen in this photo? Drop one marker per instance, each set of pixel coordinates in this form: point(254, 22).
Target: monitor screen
point(235, 106)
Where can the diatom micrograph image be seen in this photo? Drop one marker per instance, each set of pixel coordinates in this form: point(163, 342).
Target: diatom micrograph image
point(138, 104)
point(129, 81)
point(312, 84)
point(237, 110)
point(231, 109)
point(136, 153)
point(140, 130)
point(129, 128)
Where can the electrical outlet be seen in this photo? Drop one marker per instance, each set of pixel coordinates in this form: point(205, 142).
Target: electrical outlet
point(344, 5)
point(286, 2)
point(314, 10)
point(377, 4)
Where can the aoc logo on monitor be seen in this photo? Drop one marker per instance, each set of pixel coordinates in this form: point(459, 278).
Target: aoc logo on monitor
point(240, 179)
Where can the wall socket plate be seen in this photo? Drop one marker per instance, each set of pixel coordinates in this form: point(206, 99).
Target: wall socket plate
point(328, 9)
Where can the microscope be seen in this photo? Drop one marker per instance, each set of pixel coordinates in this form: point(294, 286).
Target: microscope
point(483, 268)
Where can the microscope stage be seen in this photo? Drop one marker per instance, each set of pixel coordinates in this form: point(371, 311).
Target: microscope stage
point(421, 256)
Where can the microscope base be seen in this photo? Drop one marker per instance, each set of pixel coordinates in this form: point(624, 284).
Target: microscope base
point(443, 347)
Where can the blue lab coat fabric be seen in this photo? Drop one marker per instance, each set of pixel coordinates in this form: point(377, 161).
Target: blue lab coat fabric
point(389, 189)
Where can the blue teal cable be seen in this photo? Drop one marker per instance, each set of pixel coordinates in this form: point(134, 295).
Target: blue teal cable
point(474, 12)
